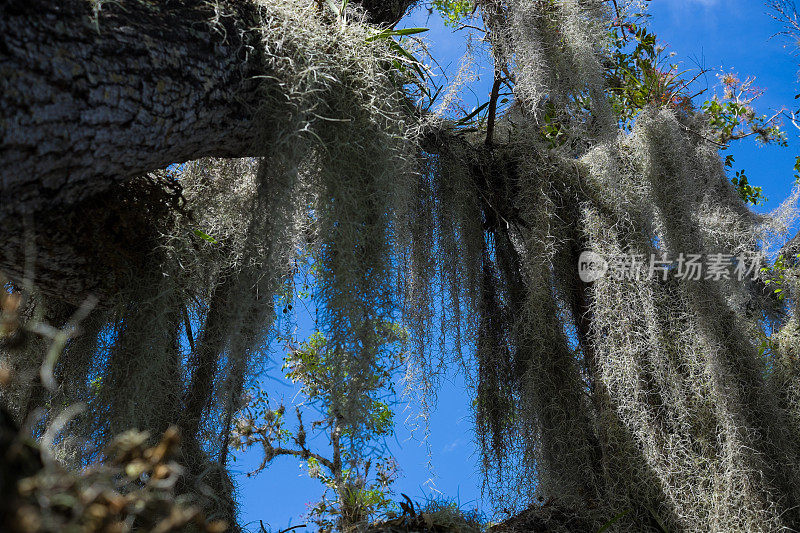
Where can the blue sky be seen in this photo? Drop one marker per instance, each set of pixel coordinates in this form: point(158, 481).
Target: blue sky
point(734, 35)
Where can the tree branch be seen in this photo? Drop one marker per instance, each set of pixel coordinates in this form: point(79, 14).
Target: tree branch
point(89, 100)
point(492, 114)
point(304, 454)
point(92, 98)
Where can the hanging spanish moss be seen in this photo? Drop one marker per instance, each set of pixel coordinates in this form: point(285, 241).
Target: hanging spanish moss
point(639, 396)
point(189, 325)
point(679, 370)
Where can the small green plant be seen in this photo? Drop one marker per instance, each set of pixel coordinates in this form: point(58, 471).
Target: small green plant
point(732, 116)
point(360, 481)
point(436, 514)
point(453, 11)
point(776, 275)
point(748, 193)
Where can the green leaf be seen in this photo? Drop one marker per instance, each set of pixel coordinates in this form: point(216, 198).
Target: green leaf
point(385, 34)
point(205, 236)
point(471, 115)
point(409, 31)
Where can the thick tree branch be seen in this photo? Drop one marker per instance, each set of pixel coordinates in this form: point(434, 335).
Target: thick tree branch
point(303, 454)
point(89, 98)
point(492, 114)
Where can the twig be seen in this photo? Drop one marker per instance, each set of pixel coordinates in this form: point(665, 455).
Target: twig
point(492, 108)
point(712, 141)
point(290, 528)
point(616, 7)
point(472, 27)
point(188, 325)
point(686, 84)
point(58, 424)
point(60, 339)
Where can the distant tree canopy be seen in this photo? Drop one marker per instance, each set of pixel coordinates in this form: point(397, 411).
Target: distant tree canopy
point(174, 159)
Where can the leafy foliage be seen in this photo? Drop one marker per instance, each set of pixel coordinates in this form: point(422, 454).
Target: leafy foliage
point(453, 10)
point(351, 467)
point(748, 193)
point(733, 117)
point(641, 73)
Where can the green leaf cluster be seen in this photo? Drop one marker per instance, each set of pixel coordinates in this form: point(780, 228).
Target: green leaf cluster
point(453, 11)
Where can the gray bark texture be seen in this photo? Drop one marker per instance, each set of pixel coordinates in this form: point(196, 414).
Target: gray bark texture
point(89, 98)
point(96, 92)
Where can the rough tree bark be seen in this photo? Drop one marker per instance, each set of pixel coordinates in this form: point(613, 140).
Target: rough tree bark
point(89, 98)
point(95, 92)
